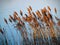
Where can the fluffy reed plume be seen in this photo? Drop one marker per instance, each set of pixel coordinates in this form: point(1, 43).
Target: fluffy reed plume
point(15, 16)
point(21, 13)
point(55, 10)
point(10, 20)
point(43, 11)
point(5, 21)
point(45, 19)
point(38, 14)
point(29, 11)
point(26, 15)
point(10, 17)
point(28, 19)
point(49, 16)
point(30, 8)
point(49, 8)
point(15, 13)
point(34, 14)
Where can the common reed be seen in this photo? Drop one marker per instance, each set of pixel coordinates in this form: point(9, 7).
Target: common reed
point(55, 10)
point(41, 23)
point(5, 21)
point(1, 31)
point(21, 13)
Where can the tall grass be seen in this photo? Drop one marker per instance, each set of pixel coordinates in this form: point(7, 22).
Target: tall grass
point(45, 30)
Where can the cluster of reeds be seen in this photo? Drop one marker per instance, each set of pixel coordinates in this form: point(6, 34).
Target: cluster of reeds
point(45, 30)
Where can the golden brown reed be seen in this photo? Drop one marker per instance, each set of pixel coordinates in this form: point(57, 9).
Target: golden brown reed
point(55, 10)
point(21, 13)
point(49, 8)
point(31, 18)
point(10, 20)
